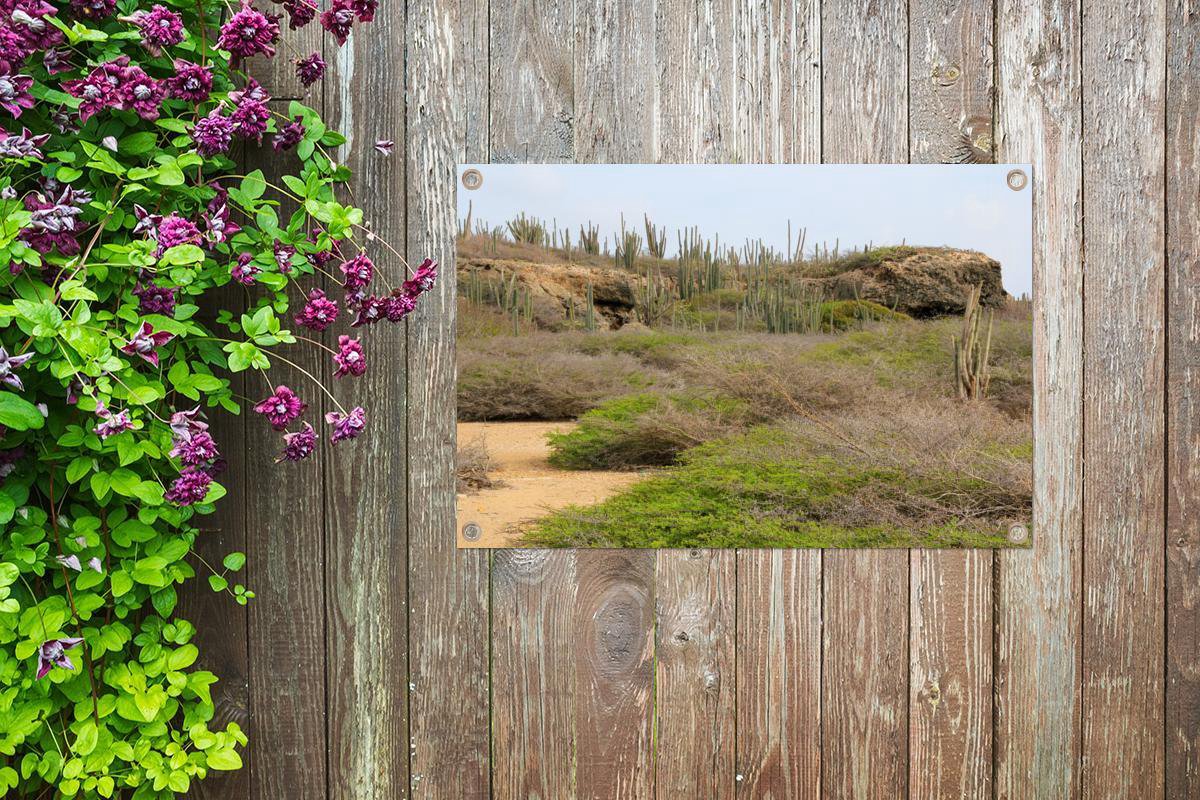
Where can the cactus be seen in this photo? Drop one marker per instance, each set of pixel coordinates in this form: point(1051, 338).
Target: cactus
point(628, 246)
point(656, 238)
point(528, 230)
point(972, 373)
point(464, 229)
point(589, 239)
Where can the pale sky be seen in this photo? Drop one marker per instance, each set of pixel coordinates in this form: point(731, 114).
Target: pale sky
point(966, 206)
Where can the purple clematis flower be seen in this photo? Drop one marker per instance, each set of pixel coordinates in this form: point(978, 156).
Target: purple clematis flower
point(289, 136)
point(53, 653)
point(399, 305)
point(155, 299)
point(185, 425)
point(299, 445)
point(251, 112)
point(338, 19)
point(22, 145)
point(14, 93)
point(213, 134)
point(145, 342)
point(190, 82)
point(349, 358)
point(358, 271)
point(311, 69)
point(346, 426)
point(8, 365)
point(282, 408)
point(422, 280)
point(244, 270)
point(189, 488)
point(300, 12)
point(371, 309)
point(198, 449)
point(219, 227)
point(319, 312)
point(249, 32)
point(160, 27)
point(147, 223)
point(111, 423)
point(283, 256)
point(175, 230)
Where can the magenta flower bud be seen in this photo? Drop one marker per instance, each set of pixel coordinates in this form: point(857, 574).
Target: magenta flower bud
point(350, 358)
point(346, 426)
point(299, 445)
point(53, 653)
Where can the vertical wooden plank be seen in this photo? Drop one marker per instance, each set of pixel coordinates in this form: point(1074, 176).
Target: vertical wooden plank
point(695, 589)
point(865, 683)
point(779, 674)
point(366, 668)
point(777, 91)
point(1123, 618)
point(614, 96)
point(614, 606)
point(777, 117)
point(286, 556)
point(950, 681)
point(695, 674)
point(1038, 600)
point(532, 102)
point(950, 600)
point(613, 627)
point(533, 591)
point(1183, 403)
point(448, 587)
point(533, 681)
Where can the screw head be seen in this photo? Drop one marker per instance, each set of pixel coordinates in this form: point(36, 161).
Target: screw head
point(472, 532)
point(1017, 179)
point(472, 179)
point(1018, 534)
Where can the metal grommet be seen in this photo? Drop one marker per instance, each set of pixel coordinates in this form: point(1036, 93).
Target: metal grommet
point(1017, 179)
point(472, 179)
point(472, 532)
point(1018, 534)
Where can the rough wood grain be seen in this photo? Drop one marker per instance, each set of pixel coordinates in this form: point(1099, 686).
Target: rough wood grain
point(1123, 618)
point(694, 80)
point(366, 658)
point(613, 629)
point(533, 679)
point(779, 674)
point(1183, 402)
point(1038, 624)
point(950, 59)
point(695, 674)
point(950, 629)
point(532, 101)
point(278, 74)
point(777, 81)
point(864, 706)
point(448, 587)
point(286, 557)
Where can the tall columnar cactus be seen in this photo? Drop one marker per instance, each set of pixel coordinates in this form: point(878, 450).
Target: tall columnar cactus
point(972, 373)
point(528, 230)
point(656, 238)
point(589, 239)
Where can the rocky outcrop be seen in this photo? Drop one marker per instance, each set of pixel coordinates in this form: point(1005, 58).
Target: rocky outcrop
point(918, 281)
point(555, 294)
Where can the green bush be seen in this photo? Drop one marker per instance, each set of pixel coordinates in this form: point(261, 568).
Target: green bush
point(845, 314)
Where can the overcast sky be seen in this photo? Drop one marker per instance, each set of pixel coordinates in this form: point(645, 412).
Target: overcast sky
point(967, 206)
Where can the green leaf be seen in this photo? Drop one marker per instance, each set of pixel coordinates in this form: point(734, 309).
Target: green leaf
point(181, 255)
point(183, 658)
point(19, 414)
point(217, 583)
point(121, 583)
point(8, 507)
point(169, 174)
point(86, 738)
point(253, 186)
point(136, 144)
point(225, 759)
point(234, 561)
point(79, 466)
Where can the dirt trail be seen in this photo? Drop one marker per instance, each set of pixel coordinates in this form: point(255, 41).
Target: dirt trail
point(532, 487)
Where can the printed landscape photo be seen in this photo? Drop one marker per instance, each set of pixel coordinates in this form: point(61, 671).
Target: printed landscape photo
point(744, 356)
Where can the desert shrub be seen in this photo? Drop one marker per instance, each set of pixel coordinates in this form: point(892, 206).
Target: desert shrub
point(644, 430)
point(657, 349)
point(522, 383)
point(841, 315)
point(930, 475)
point(474, 467)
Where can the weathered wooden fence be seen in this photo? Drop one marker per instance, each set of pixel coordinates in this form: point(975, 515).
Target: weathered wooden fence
point(379, 662)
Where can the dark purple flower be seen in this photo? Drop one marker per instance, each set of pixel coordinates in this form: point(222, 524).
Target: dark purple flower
point(289, 136)
point(319, 312)
point(422, 280)
point(28, 29)
point(349, 358)
point(213, 134)
point(14, 93)
point(283, 256)
point(300, 12)
point(21, 145)
point(189, 488)
point(311, 69)
point(53, 653)
point(93, 9)
point(197, 449)
point(346, 426)
point(244, 269)
point(9, 459)
point(100, 89)
point(8, 366)
point(249, 32)
point(219, 228)
point(365, 9)
point(145, 341)
point(190, 82)
point(111, 423)
point(54, 62)
point(338, 19)
point(140, 93)
point(173, 231)
point(160, 27)
point(155, 299)
point(281, 408)
point(299, 445)
point(185, 425)
point(147, 223)
point(358, 271)
point(251, 112)
point(55, 221)
point(399, 305)
point(371, 309)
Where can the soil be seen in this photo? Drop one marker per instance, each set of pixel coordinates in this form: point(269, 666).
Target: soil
point(531, 486)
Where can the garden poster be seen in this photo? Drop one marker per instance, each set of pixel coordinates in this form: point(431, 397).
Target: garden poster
point(744, 356)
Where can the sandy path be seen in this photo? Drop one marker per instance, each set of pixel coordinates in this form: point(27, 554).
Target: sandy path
point(532, 487)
